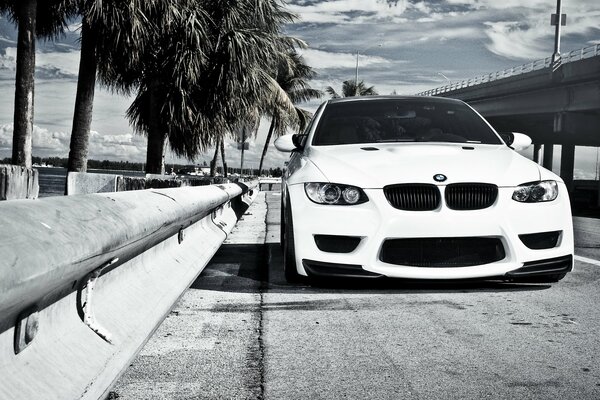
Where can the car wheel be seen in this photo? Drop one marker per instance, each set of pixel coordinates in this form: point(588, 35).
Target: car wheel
point(289, 252)
point(282, 227)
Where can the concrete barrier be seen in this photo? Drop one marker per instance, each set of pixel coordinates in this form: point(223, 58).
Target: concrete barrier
point(269, 184)
point(85, 280)
point(18, 182)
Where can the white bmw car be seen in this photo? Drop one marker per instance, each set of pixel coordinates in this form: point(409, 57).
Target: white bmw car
point(419, 188)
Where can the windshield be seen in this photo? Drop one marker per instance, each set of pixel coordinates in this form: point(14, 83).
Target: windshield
point(401, 120)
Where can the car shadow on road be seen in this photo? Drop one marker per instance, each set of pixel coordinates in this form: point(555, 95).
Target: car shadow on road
point(250, 268)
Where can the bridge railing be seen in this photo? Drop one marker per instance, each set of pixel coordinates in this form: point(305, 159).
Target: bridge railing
point(576, 55)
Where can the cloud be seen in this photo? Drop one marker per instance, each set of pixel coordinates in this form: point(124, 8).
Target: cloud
point(349, 11)
point(524, 33)
point(48, 65)
point(516, 40)
point(45, 143)
point(8, 59)
point(331, 60)
point(121, 147)
point(65, 64)
point(132, 147)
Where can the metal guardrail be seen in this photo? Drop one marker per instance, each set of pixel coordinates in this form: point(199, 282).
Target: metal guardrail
point(576, 55)
point(85, 280)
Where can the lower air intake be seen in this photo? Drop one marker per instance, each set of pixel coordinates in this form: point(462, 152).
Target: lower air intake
point(442, 252)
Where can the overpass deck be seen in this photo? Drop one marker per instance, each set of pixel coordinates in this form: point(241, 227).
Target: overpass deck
point(241, 332)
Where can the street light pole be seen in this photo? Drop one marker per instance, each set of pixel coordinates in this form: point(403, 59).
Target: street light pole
point(445, 77)
point(356, 76)
point(558, 20)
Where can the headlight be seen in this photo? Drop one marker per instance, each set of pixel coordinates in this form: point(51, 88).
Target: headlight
point(536, 192)
point(332, 193)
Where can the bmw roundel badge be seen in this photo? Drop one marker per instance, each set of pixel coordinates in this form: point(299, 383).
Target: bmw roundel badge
point(439, 177)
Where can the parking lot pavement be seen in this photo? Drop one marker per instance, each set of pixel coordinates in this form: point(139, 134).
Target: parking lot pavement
point(242, 332)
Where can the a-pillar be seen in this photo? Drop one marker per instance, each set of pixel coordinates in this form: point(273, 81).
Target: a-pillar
point(567, 164)
point(548, 155)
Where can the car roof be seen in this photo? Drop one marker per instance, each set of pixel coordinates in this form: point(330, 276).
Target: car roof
point(393, 97)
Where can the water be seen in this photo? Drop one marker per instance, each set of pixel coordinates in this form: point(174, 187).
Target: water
point(53, 180)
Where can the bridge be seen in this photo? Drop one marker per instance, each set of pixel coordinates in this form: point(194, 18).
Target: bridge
point(552, 104)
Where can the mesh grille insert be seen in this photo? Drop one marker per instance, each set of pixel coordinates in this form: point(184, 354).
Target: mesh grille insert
point(442, 252)
point(470, 196)
point(413, 197)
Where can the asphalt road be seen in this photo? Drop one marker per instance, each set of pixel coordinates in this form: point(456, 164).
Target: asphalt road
point(241, 332)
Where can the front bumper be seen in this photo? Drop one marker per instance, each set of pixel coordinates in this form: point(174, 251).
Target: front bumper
point(376, 221)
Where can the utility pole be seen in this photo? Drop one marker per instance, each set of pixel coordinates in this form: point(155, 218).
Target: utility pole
point(557, 20)
point(356, 77)
point(243, 145)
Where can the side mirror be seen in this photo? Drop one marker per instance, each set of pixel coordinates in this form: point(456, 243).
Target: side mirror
point(515, 140)
point(286, 143)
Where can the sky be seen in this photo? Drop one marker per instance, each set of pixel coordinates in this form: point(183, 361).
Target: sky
point(404, 47)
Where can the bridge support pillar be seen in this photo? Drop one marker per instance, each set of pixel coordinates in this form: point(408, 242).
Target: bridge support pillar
point(548, 155)
point(567, 164)
point(537, 148)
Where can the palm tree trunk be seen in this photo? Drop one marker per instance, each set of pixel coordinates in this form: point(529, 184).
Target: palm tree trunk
point(222, 146)
point(84, 100)
point(267, 141)
point(213, 163)
point(155, 153)
point(24, 86)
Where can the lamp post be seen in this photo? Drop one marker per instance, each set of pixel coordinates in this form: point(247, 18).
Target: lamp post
point(445, 77)
point(356, 76)
point(557, 20)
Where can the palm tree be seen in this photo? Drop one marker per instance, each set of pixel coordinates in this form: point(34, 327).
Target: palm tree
point(292, 75)
point(164, 78)
point(198, 103)
point(350, 89)
point(46, 20)
point(248, 44)
point(111, 29)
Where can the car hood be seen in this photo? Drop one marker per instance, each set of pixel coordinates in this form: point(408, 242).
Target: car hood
point(362, 166)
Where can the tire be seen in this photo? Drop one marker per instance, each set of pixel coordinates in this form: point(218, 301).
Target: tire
point(281, 227)
point(290, 270)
